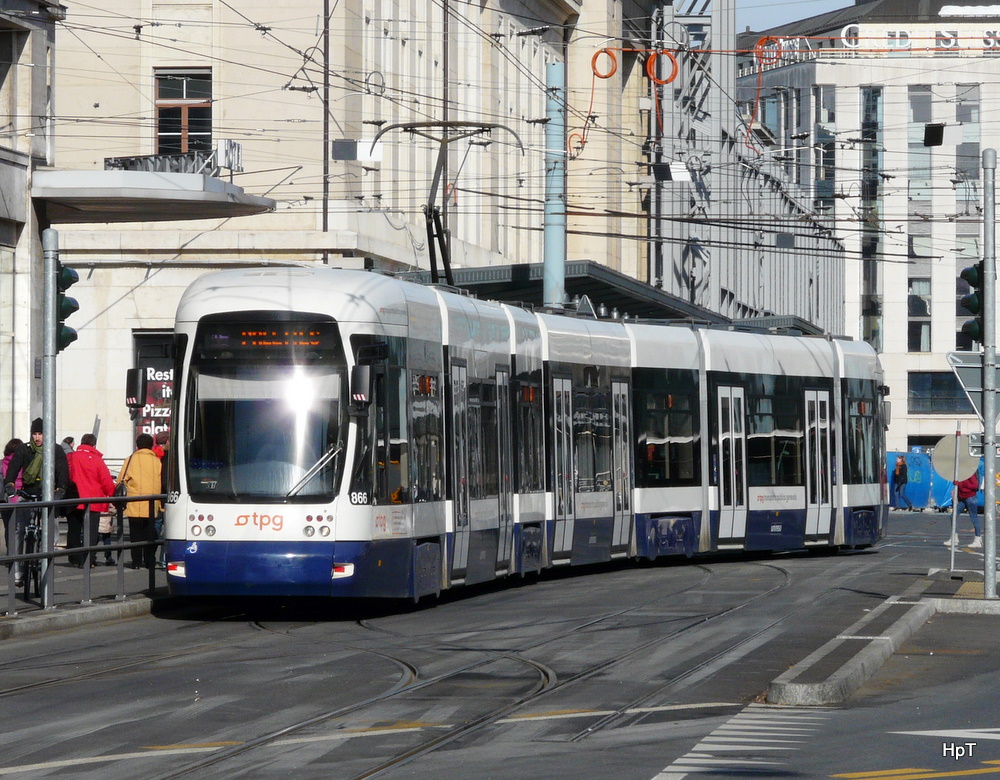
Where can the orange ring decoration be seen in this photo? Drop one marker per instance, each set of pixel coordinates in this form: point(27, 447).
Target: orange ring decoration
point(651, 67)
point(765, 57)
point(614, 64)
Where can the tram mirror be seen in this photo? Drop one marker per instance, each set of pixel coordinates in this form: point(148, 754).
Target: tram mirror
point(373, 353)
point(135, 388)
point(361, 387)
point(887, 416)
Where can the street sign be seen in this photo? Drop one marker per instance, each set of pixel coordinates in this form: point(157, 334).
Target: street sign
point(968, 367)
point(943, 458)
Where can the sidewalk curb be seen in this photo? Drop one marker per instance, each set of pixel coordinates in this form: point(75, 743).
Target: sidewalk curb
point(788, 688)
point(74, 616)
point(861, 667)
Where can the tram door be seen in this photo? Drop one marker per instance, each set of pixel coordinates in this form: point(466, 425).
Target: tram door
point(563, 468)
point(505, 466)
point(621, 482)
point(460, 459)
point(819, 474)
point(732, 464)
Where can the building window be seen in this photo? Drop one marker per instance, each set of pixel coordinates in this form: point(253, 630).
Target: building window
point(183, 111)
point(936, 392)
point(9, 56)
point(825, 104)
point(919, 315)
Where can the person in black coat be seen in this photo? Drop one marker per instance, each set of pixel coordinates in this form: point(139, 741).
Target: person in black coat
point(25, 461)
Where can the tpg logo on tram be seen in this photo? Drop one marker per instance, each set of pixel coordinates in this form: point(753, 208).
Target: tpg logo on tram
point(276, 522)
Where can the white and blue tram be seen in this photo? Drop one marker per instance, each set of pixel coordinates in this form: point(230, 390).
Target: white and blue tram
point(345, 433)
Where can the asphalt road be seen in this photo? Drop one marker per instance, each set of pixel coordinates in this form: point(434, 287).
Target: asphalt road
point(620, 671)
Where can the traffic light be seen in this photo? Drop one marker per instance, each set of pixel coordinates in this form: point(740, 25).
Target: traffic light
point(65, 306)
point(974, 302)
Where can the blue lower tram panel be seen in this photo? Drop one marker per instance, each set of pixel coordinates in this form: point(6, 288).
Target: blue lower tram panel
point(383, 569)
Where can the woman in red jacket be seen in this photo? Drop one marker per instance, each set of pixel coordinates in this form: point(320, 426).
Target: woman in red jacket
point(967, 498)
point(90, 474)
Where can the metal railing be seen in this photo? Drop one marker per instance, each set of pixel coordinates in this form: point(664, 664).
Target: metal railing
point(191, 162)
point(45, 598)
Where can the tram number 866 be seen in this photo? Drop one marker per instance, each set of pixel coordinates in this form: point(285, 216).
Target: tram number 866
point(359, 497)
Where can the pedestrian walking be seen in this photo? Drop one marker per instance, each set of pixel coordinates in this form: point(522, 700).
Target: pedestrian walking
point(90, 474)
point(141, 476)
point(968, 490)
point(899, 479)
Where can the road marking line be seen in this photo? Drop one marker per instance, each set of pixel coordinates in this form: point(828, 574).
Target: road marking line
point(189, 747)
point(960, 734)
point(352, 733)
point(558, 714)
point(864, 638)
point(741, 740)
point(885, 773)
point(763, 729)
point(925, 774)
point(10, 770)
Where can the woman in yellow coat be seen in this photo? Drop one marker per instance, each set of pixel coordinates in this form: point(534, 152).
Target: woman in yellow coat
point(141, 477)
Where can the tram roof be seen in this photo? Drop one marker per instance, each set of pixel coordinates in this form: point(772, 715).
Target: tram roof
point(522, 284)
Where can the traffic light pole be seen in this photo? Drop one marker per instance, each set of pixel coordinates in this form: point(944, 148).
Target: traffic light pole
point(50, 255)
point(989, 373)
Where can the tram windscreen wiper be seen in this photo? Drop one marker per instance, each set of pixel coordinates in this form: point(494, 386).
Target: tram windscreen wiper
point(318, 466)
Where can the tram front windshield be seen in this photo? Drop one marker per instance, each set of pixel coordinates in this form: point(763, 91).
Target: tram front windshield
point(269, 430)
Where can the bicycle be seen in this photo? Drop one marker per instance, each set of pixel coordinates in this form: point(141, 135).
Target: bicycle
point(31, 571)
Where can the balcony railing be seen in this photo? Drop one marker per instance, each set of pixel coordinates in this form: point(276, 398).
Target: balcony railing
point(192, 162)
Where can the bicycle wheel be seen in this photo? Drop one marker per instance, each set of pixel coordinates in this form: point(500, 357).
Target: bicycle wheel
point(33, 569)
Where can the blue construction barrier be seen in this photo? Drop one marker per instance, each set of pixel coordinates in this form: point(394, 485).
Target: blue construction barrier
point(925, 488)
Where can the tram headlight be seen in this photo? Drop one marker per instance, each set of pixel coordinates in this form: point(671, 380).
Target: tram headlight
point(309, 531)
point(324, 530)
point(209, 530)
point(196, 530)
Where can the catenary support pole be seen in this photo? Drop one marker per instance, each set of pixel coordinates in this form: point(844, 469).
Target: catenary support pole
point(50, 260)
point(989, 373)
point(554, 261)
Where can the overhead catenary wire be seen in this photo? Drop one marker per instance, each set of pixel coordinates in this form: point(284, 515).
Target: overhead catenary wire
point(351, 80)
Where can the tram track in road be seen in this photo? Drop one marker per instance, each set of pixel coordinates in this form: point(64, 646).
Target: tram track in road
point(410, 681)
point(485, 680)
point(635, 707)
point(108, 667)
point(488, 720)
point(407, 684)
point(444, 734)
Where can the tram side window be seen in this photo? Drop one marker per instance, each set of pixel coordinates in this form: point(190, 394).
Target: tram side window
point(862, 433)
point(774, 441)
point(583, 436)
point(529, 463)
point(666, 428)
point(483, 440)
point(600, 418)
point(393, 483)
point(425, 409)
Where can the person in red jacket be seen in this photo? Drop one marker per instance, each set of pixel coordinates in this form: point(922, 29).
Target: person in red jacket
point(967, 490)
point(90, 474)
